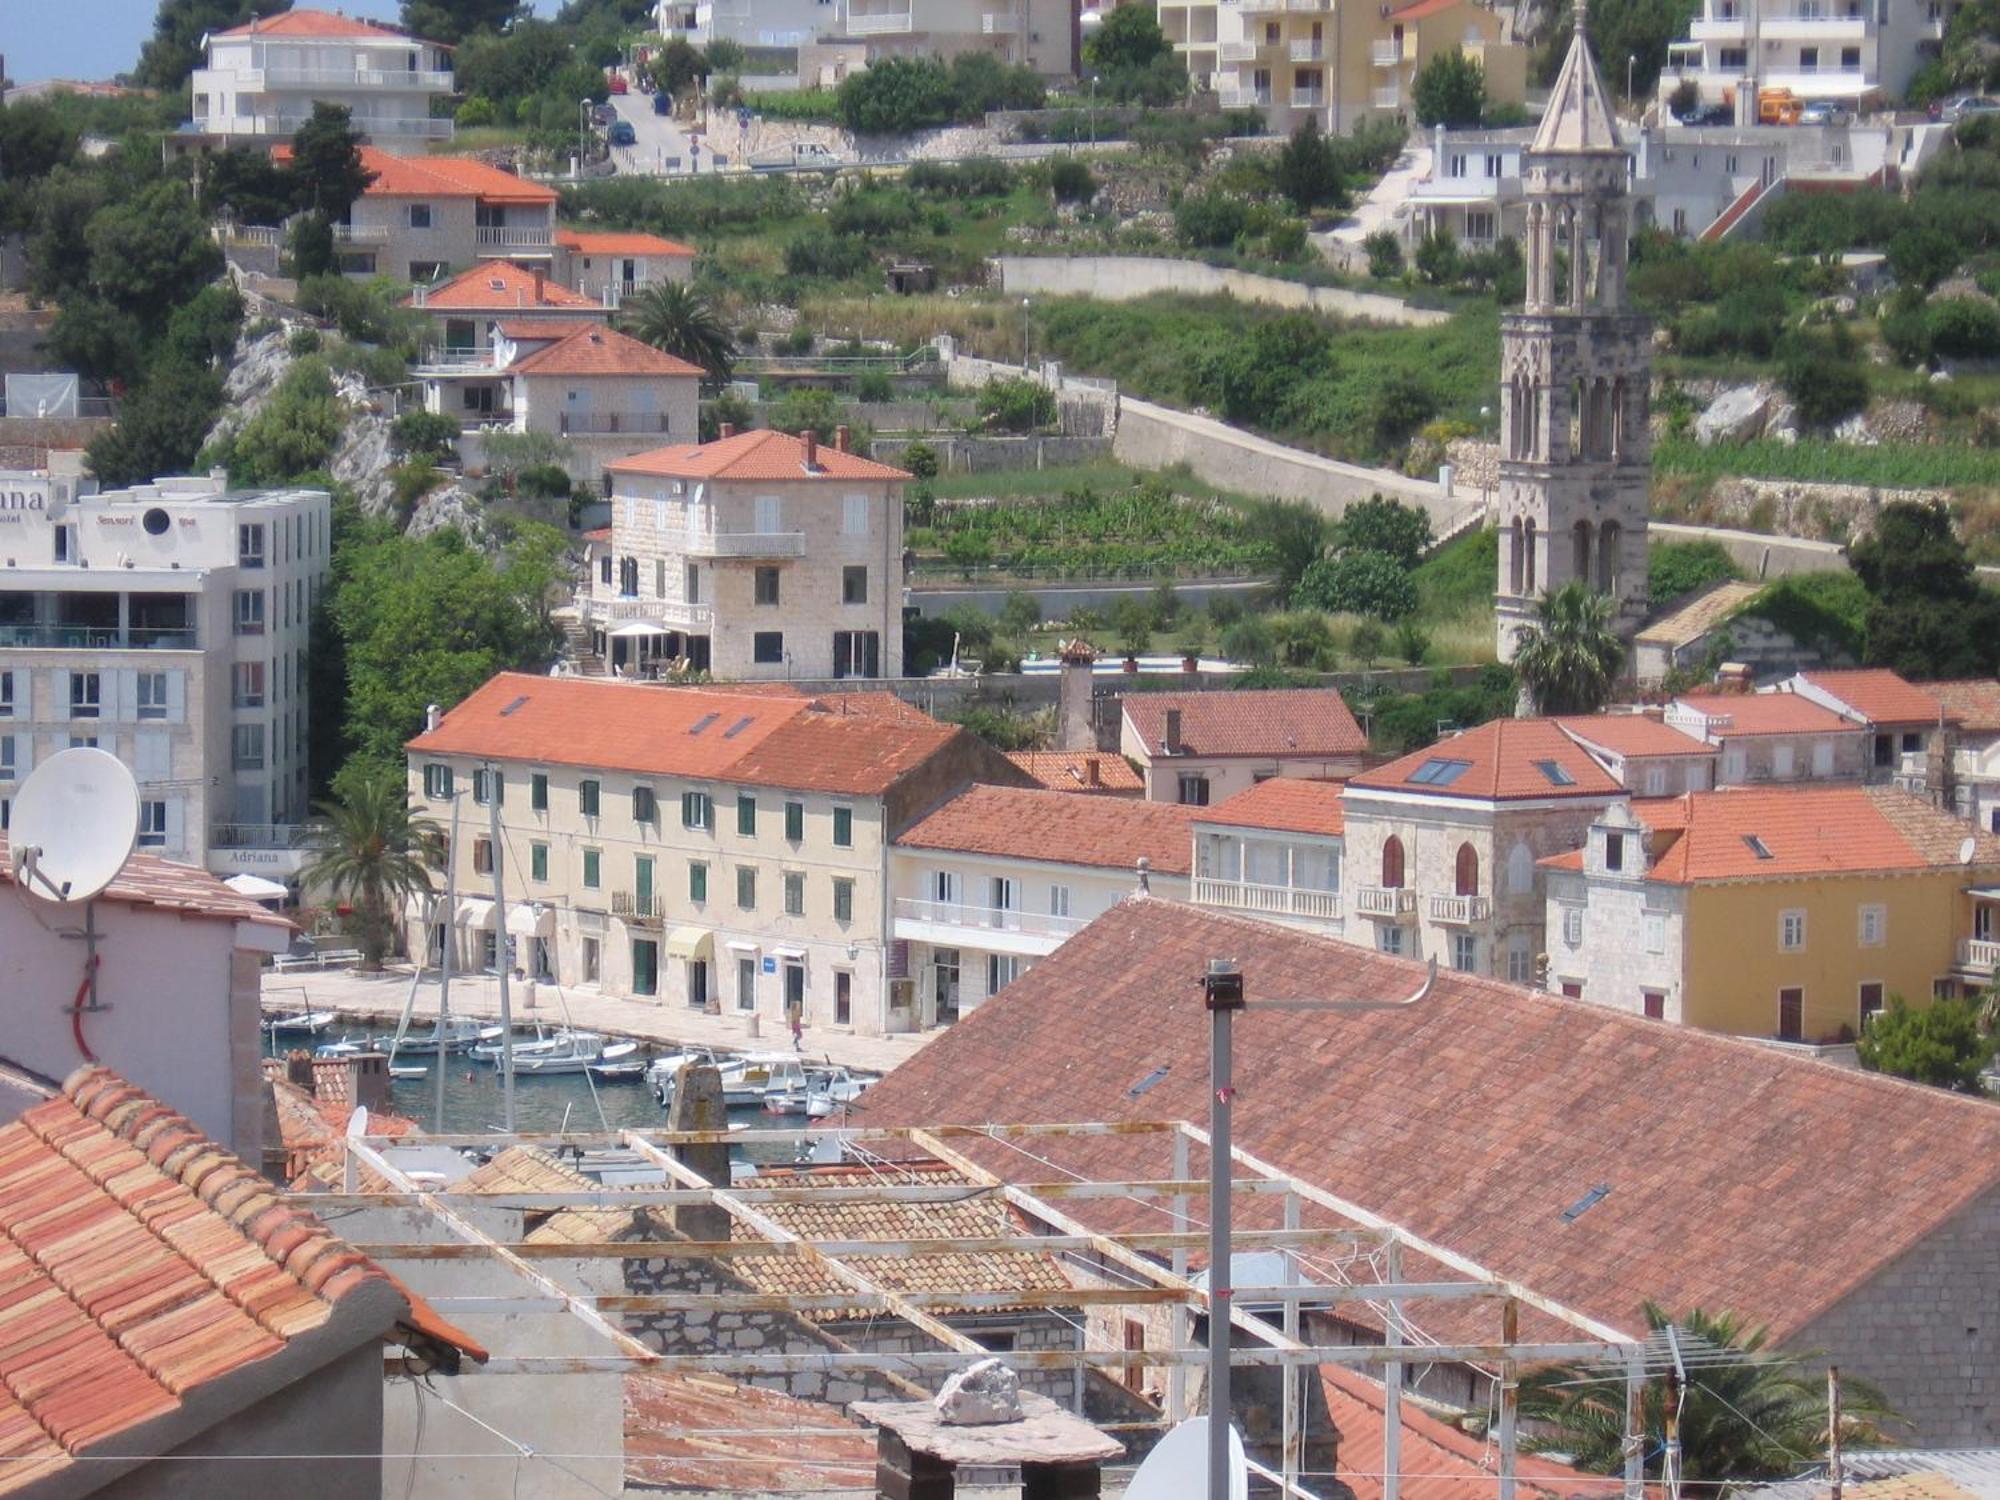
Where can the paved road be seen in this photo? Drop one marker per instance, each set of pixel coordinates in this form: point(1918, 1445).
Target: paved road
point(663, 147)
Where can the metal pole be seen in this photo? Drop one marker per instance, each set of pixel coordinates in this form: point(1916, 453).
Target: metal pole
point(1177, 1316)
point(1392, 1379)
point(1291, 1430)
point(500, 950)
point(444, 955)
point(1223, 994)
point(1635, 1444)
point(1510, 1396)
point(1833, 1431)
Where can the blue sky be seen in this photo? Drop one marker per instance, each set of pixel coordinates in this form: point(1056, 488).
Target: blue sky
point(98, 38)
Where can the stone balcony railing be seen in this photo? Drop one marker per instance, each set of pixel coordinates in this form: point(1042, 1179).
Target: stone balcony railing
point(1385, 901)
point(1460, 909)
point(1980, 955)
point(1268, 900)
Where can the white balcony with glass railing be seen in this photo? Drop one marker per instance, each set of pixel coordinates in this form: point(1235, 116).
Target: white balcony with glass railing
point(1813, 26)
point(257, 80)
point(375, 127)
point(507, 239)
point(1236, 96)
point(610, 613)
point(1460, 910)
point(1387, 54)
point(1387, 98)
point(97, 638)
point(1979, 955)
point(990, 929)
point(999, 24)
point(1268, 900)
point(879, 23)
point(1385, 901)
point(1236, 52)
point(1307, 99)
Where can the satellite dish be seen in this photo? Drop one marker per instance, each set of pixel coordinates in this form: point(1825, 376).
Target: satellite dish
point(1967, 847)
point(357, 1123)
point(1178, 1468)
point(75, 820)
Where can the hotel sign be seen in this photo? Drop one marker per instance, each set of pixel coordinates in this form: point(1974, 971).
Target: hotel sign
point(22, 495)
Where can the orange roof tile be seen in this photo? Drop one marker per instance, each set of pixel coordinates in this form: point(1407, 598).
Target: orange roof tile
point(1418, 9)
point(601, 351)
point(148, 880)
point(1634, 736)
point(1879, 695)
point(1290, 722)
point(753, 455)
point(1286, 804)
point(1070, 771)
point(591, 242)
point(686, 1430)
point(1059, 828)
point(759, 739)
point(448, 177)
point(543, 330)
point(1500, 1108)
point(1765, 713)
point(1973, 704)
point(1503, 760)
point(497, 286)
point(316, 23)
point(873, 704)
point(141, 1263)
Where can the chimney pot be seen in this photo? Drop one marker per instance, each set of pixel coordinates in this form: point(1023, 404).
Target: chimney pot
point(1172, 738)
point(299, 1069)
point(1091, 775)
point(811, 441)
point(539, 280)
point(729, 429)
point(840, 438)
point(432, 714)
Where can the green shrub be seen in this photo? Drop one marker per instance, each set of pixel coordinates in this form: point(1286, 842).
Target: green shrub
point(1821, 611)
point(1437, 259)
point(1379, 524)
point(1210, 219)
point(1385, 254)
point(807, 408)
point(1250, 640)
point(1823, 377)
point(475, 113)
point(1016, 404)
point(302, 341)
point(1071, 181)
point(1363, 583)
point(1286, 240)
point(819, 252)
point(423, 434)
point(921, 460)
point(1676, 569)
point(873, 385)
point(1964, 327)
point(292, 433)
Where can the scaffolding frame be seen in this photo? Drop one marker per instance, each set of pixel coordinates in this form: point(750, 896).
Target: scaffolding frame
point(1137, 1255)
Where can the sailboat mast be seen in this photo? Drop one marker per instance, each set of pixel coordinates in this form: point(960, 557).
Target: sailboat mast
point(440, 1051)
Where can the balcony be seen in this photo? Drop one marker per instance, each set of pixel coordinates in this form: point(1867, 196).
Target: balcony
point(744, 544)
point(1979, 956)
point(350, 78)
point(1307, 99)
point(1387, 54)
point(361, 234)
point(1234, 97)
point(1386, 901)
point(999, 25)
point(1718, 28)
point(1814, 26)
point(577, 423)
point(992, 929)
point(672, 612)
point(1269, 900)
point(417, 127)
point(96, 638)
point(885, 23)
point(1387, 98)
point(1822, 81)
point(637, 908)
point(1460, 910)
point(508, 240)
point(1306, 50)
point(1236, 52)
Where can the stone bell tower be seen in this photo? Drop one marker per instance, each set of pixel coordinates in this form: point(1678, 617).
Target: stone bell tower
point(1575, 369)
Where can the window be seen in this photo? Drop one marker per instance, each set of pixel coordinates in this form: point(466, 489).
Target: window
point(697, 881)
point(437, 782)
point(1781, 760)
point(6, 695)
point(1058, 900)
point(247, 747)
point(1791, 1015)
point(247, 684)
point(85, 695)
point(593, 869)
point(249, 546)
point(586, 798)
point(1466, 874)
point(1389, 939)
point(488, 786)
point(843, 1002)
point(644, 808)
point(82, 742)
point(420, 215)
point(746, 983)
point(603, 568)
point(843, 900)
point(249, 611)
point(843, 828)
point(1455, 164)
point(1654, 1004)
point(1002, 969)
point(1392, 863)
point(854, 584)
point(1465, 952)
point(767, 646)
point(1654, 924)
point(538, 791)
point(1438, 771)
point(482, 856)
point(1520, 869)
point(1614, 852)
point(795, 894)
point(1874, 926)
point(1573, 926)
point(6, 757)
point(1792, 931)
point(746, 887)
point(795, 821)
point(538, 862)
point(1735, 763)
point(697, 810)
point(1520, 960)
point(854, 515)
point(1656, 781)
point(1479, 224)
point(1193, 790)
point(1871, 1001)
point(1555, 773)
point(1822, 758)
point(766, 586)
point(1912, 742)
point(746, 815)
point(857, 653)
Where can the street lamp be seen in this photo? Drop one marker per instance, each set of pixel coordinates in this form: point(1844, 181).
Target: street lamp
point(1222, 994)
point(582, 135)
point(1630, 59)
point(1093, 111)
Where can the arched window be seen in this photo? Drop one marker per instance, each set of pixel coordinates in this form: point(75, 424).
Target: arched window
point(1580, 551)
point(1607, 557)
point(1576, 422)
point(1528, 568)
point(1467, 879)
point(1392, 863)
point(1619, 417)
point(1520, 870)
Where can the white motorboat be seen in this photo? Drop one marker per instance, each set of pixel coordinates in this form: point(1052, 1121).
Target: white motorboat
point(405, 1074)
point(297, 1022)
point(840, 1089)
point(569, 1052)
point(460, 1033)
point(347, 1046)
point(619, 1062)
point(544, 1040)
point(662, 1071)
point(749, 1078)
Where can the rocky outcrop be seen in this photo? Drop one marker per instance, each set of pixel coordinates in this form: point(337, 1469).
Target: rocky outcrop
point(452, 507)
point(1737, 415)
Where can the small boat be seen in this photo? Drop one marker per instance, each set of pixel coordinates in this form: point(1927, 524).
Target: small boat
point(347, 1046)
point(841, 1089)
point(544, 1040)
point(750, 1078)
point(310, 1022)
point(661, 1072)
point(619, 1062)
point(460, 1032)
point(405, 1074)
point(569, 1052)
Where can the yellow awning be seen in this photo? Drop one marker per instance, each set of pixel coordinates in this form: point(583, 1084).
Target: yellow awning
point(690, 942)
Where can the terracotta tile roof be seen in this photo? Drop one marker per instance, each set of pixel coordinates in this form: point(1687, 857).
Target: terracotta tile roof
point(1440, 1461)
point(685, 1431)
point(1765, 713)
point(601, 351)
point(1295, 722)
point(1034, 823)
point(589, 242)
point(1973, 704)
point(873, 705)
point(311, 1129)
point(1633, 736)
point(1499, 1108)
point(141, 1264)
point(544, 330)
point(523, 1169)
point(1418, 9)
point(760, 739)
point(148, 880)
point(450, 177)
point(316, 23)
point(496, 286)
point(1069, 771)
point(763, 454)
point(1694, 619)
point(1285, 804)
point(1502, 760)
point(1879, 695)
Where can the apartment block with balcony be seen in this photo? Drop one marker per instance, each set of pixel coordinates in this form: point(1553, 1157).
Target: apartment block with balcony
point(167, 624)
point(725, 852)
point(1972, 710)
point(760, 556)
point(754, 23)
point(608, 267)
point(259, 81)
point(1792, 914)
point(1851, 50)
point(1274, 852)
point(1038, 34)
point(419, 218)
point(1000, 877)
point(1411, 35)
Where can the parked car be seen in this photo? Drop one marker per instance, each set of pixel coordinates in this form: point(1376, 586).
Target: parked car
point(1709, 114)
point(616, 82)
point(663, 103)
point(1970, 107)
point(602, 115)
point(1826, 112)
point(621, 133)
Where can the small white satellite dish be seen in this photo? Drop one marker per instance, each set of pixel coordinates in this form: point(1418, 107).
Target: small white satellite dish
point(1177, 1469)
point(1967, 847)
point(357, 1123)
point(75, 820)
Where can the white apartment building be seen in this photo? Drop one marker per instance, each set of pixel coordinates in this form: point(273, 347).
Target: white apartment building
point(1000, 877)
point(167, 624)
point(1274, 851)
point(261, 80)
point(1851, 50)
point(754, 23)
point(758, 556)
point(1039, 34)
point(727, 852)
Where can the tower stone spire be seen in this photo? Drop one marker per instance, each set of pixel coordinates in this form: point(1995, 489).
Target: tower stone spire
point(1575, 368)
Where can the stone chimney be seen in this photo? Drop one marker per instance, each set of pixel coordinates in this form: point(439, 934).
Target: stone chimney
point(540, 281)
point(841, 439)
point(811, 441)
point(729, 429)
point(1093, 777)
point(299, 1069)
point(1075, 727)
point(1732, 677)
point(432, 715)
point(1170, 738)
point(698, 1105)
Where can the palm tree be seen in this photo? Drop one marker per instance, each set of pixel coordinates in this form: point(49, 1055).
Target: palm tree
point(374, 853)
point(1761, 1414)
point(675, 318)
point(1569, 661)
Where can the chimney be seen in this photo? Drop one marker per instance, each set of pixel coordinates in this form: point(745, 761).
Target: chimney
point(729, 429)
point(432, 715)
point(299, 1069)
point(697, 1104)
point(1171, 739)
point(1092, 776)
point(1732, 677)
point(811, 440)
point(1076, 728)
point(840, 439)
point(540, 280)
point(368, 1081)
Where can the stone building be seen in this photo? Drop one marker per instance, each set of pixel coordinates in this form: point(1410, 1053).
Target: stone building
point(1575, 370)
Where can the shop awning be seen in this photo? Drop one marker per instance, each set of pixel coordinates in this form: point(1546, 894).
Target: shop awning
point(475, 913)
point(531, 920)
point(638, 627)
point(256, 887)
point(740, 947)
point(690, 942)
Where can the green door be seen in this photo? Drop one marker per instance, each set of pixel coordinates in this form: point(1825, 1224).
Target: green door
point(642, 881)
point(645, 966)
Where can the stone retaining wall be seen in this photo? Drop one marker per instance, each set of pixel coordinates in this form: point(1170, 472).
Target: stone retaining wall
point(1123, 278)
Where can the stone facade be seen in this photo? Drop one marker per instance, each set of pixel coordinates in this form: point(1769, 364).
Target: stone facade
point(1761, 759)
point(1575, 372)
point(1614, 938)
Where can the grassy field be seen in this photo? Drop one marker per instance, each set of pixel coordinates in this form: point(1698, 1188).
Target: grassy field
point(1818, 460)
point(1046, 484)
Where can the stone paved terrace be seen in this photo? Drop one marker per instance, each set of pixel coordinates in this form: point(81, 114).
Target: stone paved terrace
point(380, 997)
